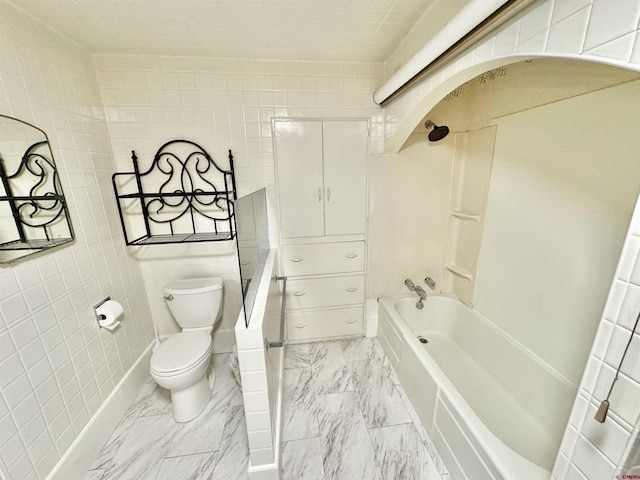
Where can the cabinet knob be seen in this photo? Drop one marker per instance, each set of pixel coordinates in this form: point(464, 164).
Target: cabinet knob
point(299, 326)
point(350, 321)
point(298, 294)
point(297, 259)
point(319, 194)
point(352, 289)
point(351, 255)
point(328, 194)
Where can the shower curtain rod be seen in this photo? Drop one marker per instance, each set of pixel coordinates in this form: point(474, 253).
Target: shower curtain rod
point(476, 20)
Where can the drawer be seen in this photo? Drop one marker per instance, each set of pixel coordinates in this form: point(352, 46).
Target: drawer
point(325, 323)
point(324, 292)
point(322, 258)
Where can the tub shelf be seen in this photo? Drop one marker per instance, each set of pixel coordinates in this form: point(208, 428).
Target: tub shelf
point(465, 216)
point(460, 272)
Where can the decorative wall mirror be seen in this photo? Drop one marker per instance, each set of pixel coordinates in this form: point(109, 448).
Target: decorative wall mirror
point(33, 211)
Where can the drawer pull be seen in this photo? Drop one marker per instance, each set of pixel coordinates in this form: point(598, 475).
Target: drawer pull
point(298, 294)
point(350, 321)
point(297, 259)
point(351, 255)
point(352, 289)
point(299, 326)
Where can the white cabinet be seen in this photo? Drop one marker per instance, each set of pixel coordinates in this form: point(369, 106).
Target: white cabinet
point(322, 176)
point(321, 170)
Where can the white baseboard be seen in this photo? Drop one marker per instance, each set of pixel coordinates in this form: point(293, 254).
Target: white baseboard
point(77, 460)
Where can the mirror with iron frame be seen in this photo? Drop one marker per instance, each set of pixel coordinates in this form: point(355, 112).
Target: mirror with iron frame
point(33, 211)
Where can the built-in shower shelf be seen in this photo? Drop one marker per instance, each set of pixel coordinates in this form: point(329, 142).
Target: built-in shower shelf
point(460, 272)
point(465, 216)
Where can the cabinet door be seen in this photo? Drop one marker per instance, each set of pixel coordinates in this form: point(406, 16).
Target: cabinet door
point(345, 176)
point(300, 179)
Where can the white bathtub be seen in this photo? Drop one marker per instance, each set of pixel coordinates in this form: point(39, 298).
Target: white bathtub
point(492, 409)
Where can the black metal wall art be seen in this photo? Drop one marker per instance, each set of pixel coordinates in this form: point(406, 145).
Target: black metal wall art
point(33, 195)
point(183, 196)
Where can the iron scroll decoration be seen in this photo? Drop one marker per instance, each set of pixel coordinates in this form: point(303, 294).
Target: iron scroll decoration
point(45, 202)
point(193, 202)
point(32, 195)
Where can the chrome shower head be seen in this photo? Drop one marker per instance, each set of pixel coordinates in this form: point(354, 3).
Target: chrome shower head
point(438, 132)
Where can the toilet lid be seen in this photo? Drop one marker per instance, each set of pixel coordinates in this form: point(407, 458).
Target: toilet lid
point(181, 351)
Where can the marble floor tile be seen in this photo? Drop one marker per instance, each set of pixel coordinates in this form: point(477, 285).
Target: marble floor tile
point(233, 456)
point(360, 348)
point(297, 356)
point(385, 360)
point(329, 368)
point(380, 402)
point(400, 453)
point(188, 467)
point(94, 474)
point(157, 402)
point(145, 444)
point(220, 362)
point(203, 434)
point(302, 460)
point(346, 447)
point(105, 457)
point(299, 408)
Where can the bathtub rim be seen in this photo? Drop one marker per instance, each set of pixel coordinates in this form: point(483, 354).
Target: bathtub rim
point(492, 448)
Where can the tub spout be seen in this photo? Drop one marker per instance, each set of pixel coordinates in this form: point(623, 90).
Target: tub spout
point(423, 296)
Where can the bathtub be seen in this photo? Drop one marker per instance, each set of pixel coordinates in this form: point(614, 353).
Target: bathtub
point(492, 409)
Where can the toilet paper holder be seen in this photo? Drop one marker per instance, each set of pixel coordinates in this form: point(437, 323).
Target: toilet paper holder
point(95, 309)
point(101, 316)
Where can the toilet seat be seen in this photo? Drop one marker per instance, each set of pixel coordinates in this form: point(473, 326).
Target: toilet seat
point(182, 352)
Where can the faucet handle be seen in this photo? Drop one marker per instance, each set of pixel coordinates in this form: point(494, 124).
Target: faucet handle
point(410, 285)
point(430, 283)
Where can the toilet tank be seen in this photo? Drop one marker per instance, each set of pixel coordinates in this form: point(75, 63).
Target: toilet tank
point(194, 302)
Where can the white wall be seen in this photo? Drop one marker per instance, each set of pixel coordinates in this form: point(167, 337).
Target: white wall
point(408, 213)
point(56, 368)
point(222, 104)
point(261, 370)
point(561, 197)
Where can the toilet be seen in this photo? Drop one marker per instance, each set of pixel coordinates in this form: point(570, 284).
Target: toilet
point(181, 362)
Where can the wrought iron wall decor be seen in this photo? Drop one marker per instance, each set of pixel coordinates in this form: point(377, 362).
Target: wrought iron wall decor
point(183, 197)
point(31, 195)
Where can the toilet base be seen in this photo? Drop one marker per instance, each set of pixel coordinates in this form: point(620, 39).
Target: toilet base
point(189, 402)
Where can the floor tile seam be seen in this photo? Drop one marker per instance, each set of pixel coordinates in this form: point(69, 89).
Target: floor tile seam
point(297, 366)
point(153, 415)
point(303, 438)
point(190, 454)
point(410, 422)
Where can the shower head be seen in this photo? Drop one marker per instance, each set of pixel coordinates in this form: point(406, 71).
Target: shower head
point(438, 132)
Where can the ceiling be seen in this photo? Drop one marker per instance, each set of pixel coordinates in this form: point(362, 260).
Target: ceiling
point(348, 30)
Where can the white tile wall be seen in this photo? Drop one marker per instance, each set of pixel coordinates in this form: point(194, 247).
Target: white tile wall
point(56, 368)
point(600, 30)
point(261, 369)
point(222, 104)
